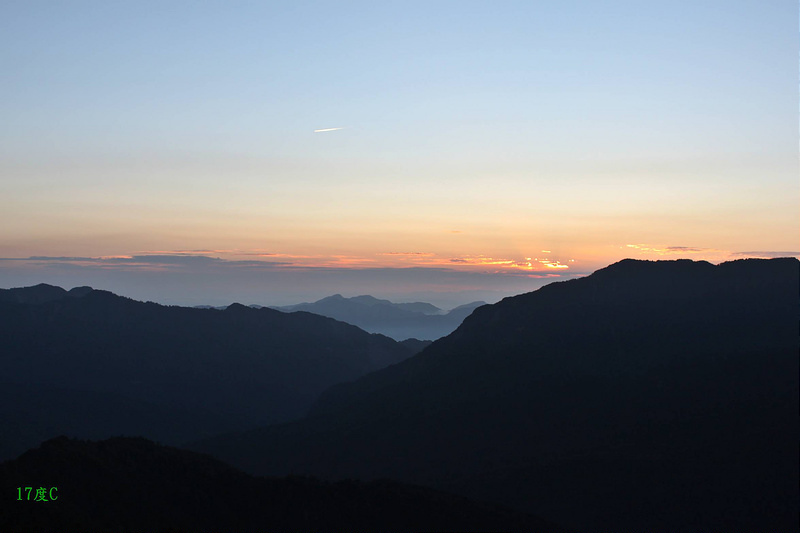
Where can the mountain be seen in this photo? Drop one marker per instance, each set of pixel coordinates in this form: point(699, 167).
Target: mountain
point(41, 293)
point(417, 320)
point(31, 412)
point(131, 484)
point(413, 307)
point(648, 396)
point(416, 345)
point(89, 363)
point(340, 304)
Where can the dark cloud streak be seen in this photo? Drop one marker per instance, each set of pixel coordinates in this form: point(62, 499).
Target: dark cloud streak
point(193, 280)
point(767, 255)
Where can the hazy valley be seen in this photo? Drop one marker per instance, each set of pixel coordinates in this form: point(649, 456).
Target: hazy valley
point(400, 321)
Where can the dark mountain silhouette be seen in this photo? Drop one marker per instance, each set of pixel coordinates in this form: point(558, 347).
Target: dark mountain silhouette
point(131, 484)
point(415, 345)
point(649, 396)
point(30, 413)
point(41, 293)
point(400, 321)
point(92, 364)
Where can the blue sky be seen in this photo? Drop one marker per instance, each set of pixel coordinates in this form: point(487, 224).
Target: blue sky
point(474, 136)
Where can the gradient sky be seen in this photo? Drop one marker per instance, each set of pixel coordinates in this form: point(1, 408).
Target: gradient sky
point(167, 150)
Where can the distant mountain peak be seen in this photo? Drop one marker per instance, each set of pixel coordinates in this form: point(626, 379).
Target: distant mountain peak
point(336, 296)
point(79, 292)
point(36, 294)
point(237, 307)
point(419, 320)
point(366, 299)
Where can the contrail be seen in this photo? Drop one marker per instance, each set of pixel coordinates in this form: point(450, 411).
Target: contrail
point(327, 129)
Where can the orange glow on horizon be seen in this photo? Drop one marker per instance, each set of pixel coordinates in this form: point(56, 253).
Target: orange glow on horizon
point(282, 259)
point(172, 259)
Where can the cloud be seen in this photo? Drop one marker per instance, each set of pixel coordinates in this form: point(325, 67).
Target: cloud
point(408, 253)
point(766, 255)
point(186, 276)
point(186, 279)
point(673, 250)
point(47, 258)
point(164, 259)
point(552, 264)
point(709, 254)
point(686, 249)
point(183, 252)
point(258, 264)
point(251, 253)
point(510, 265)
point(144, 261)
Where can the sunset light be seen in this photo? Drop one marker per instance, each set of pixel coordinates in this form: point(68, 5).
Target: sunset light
point(497, 145)
point(370, 265)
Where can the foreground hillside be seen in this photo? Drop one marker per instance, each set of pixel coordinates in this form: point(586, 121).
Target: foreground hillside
point(88, 363)
point(655, 396)
point(126, 484)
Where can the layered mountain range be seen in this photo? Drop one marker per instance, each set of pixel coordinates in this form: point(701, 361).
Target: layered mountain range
point(400, 321)
point(91, 364)
point(654, 396)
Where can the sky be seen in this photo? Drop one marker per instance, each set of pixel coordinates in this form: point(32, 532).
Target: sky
point(277, 152)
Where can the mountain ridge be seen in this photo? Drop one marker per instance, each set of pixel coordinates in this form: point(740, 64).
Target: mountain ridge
point(41, 293)
point(675, 381)
point(400, 321)
point(239, 367)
